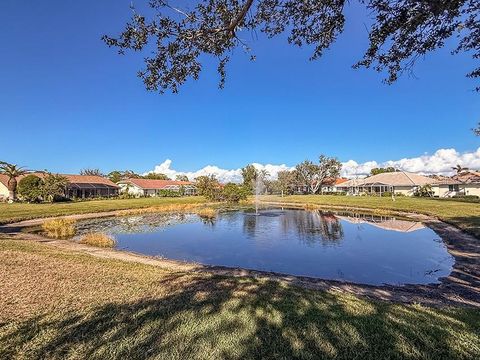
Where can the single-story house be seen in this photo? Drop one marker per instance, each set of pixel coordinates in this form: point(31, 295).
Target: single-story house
point(331, 185)
point(399, 182)
point(406, 183)
point(147, 187)
point(79, 186)
point(88, 186)
point(469, 182)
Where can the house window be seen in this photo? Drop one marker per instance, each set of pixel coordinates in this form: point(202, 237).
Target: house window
point(453, 187)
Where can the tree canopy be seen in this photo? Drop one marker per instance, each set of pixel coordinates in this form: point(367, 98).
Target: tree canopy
point(91, 172)
point(376, 171)
point(313, 175)
point(400, 32)
point(155, 176)
point(181, 178)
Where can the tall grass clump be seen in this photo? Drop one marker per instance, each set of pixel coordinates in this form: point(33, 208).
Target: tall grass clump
point(59, 228)
point(310, 207)
point(160, 209)
point(98, 240)
point(208, 213)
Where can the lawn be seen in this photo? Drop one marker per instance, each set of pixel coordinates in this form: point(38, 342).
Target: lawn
point(56, 304)
point(22, 211)
point(464, 215)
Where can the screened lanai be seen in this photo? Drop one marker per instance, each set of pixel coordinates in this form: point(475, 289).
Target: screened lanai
point(89, 190)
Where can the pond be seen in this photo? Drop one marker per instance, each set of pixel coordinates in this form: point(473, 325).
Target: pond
point(350, 247)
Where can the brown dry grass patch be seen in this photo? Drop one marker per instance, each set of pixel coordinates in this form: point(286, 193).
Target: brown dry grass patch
point(59, 228)
point(209, 213)
point(164, 208)
point(98, 240)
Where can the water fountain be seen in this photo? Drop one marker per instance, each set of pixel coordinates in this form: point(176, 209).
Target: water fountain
point(259, 188)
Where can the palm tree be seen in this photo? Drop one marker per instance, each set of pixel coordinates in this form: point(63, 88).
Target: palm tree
point(459, 168)
point(12, 172)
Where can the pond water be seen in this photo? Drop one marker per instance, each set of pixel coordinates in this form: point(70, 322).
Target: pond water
point(338, 246)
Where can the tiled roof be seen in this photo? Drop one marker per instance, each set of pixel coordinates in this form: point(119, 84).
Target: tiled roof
point(340, 181)
point(398, 178)
point(155, 184)
point(4, 179)
point(468, 177)
point(89, 179)
point(73, 179)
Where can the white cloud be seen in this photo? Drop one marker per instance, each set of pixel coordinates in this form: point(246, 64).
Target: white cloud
point(224, 175)
point(441, 162)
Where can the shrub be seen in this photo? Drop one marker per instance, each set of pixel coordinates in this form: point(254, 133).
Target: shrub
point(424, 191)
point(209, 187)
point(466, 197)
point(168, 193)
point(30, 188)
point(53, 188)
point(98, 240)
point(59, 228)
point(234, 193)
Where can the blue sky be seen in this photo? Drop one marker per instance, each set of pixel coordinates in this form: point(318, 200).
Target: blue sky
point(68, 102)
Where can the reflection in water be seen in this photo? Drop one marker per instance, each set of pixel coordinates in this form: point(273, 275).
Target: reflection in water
point(309, 226)
point(343, 246)
point(383, 222)
point(312, 226)
point(151, 222)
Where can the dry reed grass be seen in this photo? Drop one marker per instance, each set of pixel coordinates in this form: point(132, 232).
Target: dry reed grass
point(59, 228)
point(208, 213)
point(165, 208)
point(98, 240)
point(310, 207)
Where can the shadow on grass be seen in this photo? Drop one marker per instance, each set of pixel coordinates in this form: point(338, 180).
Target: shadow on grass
point(226, 318)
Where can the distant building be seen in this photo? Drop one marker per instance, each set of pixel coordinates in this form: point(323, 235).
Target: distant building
point(399, 182)
point(331, 185)
point(89, 186)
point(147, 187)
point(469, 182)
point(405, 183)
point(79, 186)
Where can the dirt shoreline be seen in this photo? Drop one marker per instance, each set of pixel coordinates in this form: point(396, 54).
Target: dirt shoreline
point(460, 288)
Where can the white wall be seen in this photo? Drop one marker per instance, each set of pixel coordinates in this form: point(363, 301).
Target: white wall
point(132, 189)
point(472, 189)
point(3, 192)
point(464, 189)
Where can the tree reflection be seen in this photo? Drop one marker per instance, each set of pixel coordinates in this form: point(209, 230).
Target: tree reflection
point(309, 227)
point(314, 226)
point(135, 224)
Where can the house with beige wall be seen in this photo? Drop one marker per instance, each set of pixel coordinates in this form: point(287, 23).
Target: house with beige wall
point(469, 182)
point(3, 187)
point(399, 182)
point(406, 183)
point(78, 187)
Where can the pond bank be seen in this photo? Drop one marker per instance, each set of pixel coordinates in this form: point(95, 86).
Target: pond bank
point(461, 287)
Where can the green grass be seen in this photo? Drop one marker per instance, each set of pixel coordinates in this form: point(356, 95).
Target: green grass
point(464, 215)
point(21, 211)
point(58, 305)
